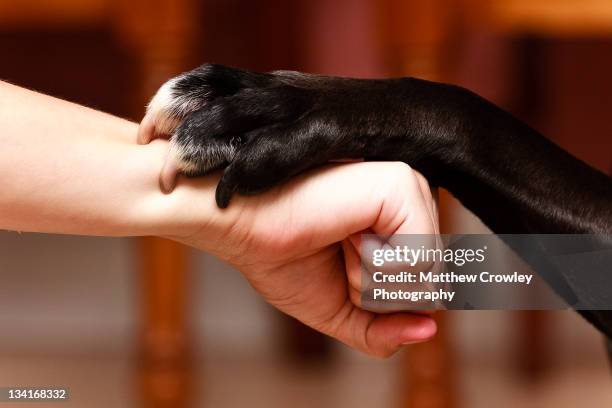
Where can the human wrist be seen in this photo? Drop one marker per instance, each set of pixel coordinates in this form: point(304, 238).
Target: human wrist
point(189, 214)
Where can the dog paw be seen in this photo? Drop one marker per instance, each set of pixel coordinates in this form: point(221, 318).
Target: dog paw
point(185, 94)
point(216, 114)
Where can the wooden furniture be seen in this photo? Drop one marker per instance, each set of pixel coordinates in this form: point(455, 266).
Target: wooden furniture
point(160, 34)
point(546, 20)
point(418, 47)
point(419, 39)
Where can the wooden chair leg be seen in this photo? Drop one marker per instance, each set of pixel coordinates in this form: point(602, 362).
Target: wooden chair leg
point(533, 354)
point(413, 35)
point(161, 33)
point(427, 378)
point(165, 352)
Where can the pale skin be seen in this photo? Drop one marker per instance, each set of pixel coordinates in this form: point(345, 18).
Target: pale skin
point(68, 169)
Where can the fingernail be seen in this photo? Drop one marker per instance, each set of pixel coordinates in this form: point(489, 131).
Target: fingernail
point(425, 330)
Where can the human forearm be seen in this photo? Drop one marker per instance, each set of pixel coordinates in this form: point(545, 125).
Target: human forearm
point(68, 169)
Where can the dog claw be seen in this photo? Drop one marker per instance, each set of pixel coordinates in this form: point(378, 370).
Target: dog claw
point(168, 176)
point(146, 129)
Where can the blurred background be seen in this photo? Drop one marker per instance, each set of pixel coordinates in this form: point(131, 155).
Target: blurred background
point(147, 323)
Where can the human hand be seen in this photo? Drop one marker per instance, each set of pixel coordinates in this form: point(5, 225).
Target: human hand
point(298, 244)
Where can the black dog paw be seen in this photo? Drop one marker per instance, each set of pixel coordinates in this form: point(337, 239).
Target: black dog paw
point(253, 123)
point(190, 92)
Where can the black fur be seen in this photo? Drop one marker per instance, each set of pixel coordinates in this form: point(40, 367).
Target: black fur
point(272, 126)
